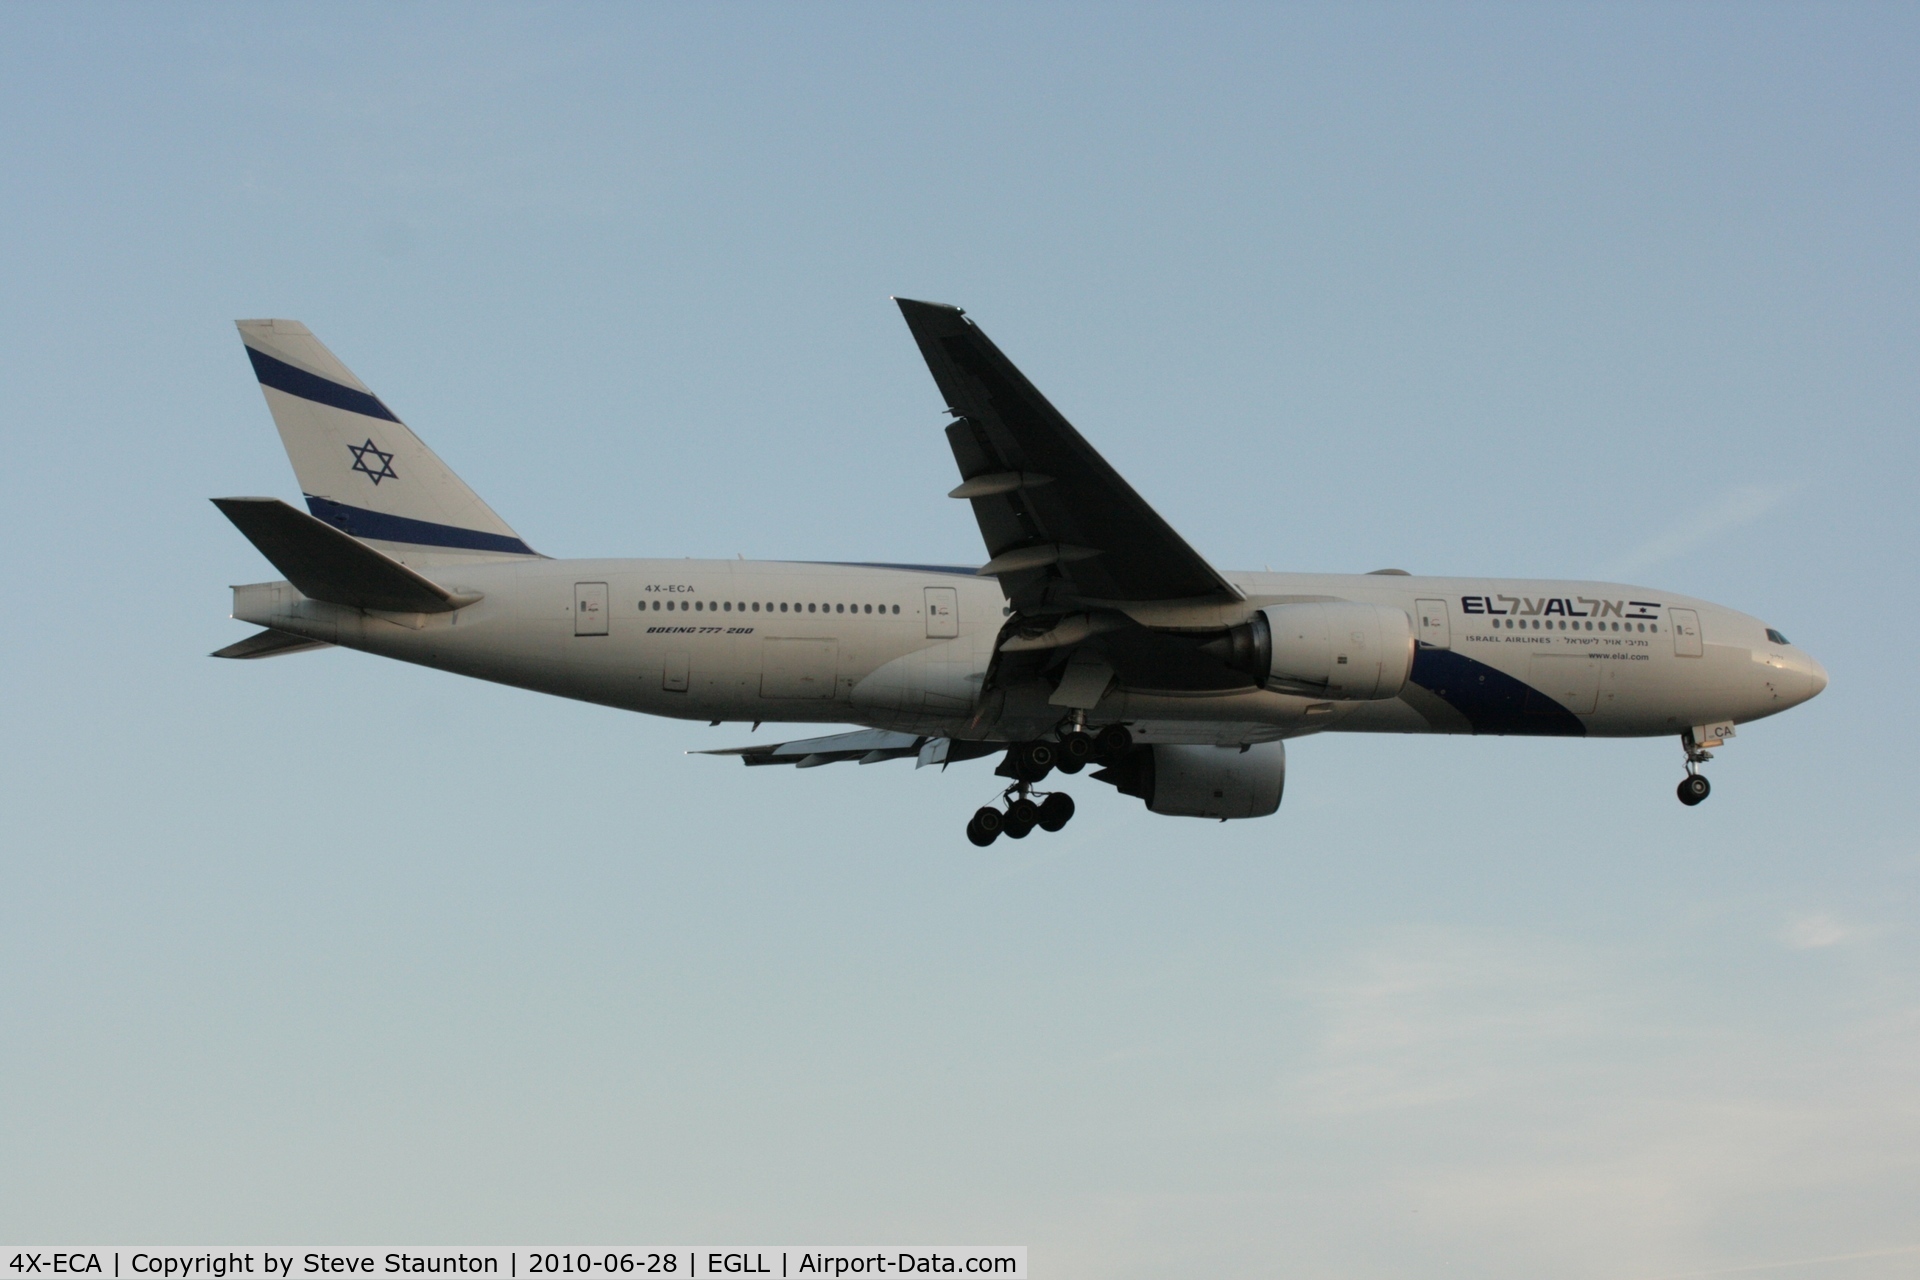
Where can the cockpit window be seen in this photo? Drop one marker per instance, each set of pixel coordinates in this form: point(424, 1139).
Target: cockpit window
point(1776, 637)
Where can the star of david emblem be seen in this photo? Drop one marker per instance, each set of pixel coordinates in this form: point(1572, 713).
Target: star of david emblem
point(382, 466)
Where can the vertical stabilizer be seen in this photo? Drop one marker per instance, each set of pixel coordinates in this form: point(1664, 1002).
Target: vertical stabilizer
point(360, 468)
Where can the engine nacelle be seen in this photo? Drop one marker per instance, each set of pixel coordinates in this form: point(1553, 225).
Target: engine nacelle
point(1184, 781)
point(1329, 649)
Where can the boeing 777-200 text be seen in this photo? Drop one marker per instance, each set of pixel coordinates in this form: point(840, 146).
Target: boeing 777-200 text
point(1093, 635)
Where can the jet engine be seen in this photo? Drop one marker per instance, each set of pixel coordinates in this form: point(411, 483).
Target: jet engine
point(1184, 781)
point(1332, 649)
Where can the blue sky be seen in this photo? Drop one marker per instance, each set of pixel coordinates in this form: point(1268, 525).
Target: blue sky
point(329, 949)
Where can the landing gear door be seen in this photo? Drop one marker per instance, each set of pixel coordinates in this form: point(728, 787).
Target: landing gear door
point(1435, 632)
point(943, 613)
point(589, 608)
point(1686, 632)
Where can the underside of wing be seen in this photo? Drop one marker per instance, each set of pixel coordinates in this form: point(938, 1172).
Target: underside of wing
point(868, 746)
point(1062, 527)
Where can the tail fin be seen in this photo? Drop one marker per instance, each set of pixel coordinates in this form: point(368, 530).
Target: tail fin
point(360, 468)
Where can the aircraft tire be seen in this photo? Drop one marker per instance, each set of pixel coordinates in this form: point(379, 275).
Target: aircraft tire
point(1021, 817)
point(1076, 750)
point(1036, 760)
point(1056, 811)
point(1114, 741)
point(984, 827)
point(1693, 789)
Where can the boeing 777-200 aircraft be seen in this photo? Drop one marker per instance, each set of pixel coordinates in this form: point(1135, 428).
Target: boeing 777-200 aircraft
point(1093, 635)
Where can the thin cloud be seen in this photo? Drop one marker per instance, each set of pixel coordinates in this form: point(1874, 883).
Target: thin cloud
point(1758, 1267)
point(1736, 509)
point(1812, 932)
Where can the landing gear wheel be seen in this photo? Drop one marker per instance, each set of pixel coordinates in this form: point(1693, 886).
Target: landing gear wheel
point(1693, 789)
point(1076, 751)
point(1022, 816)
point(1036, 759)
point(1056, 811)
point(984, 827)
point(1114, 741)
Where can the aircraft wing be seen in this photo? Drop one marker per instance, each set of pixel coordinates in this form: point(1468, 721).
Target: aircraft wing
point(1061, 526)
point(868, 746)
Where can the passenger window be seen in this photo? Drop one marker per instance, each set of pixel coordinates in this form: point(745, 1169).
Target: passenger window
point(809, 608)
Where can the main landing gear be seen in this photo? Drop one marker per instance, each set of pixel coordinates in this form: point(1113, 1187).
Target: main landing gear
point(1030, 762)
point(1694, 787)
point(1022, 815)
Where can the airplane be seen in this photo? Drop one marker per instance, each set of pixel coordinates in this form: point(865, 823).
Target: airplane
point(1094, 636)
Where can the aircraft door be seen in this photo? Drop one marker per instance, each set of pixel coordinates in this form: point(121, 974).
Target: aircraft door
point(589, 608)
point(1686, 632)
point(1435, 632)
point(943, 613)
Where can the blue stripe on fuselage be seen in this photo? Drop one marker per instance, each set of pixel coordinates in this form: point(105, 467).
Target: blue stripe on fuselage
point(377, 526)
point(958, 571)
point(282, 376)
point(1490, 699)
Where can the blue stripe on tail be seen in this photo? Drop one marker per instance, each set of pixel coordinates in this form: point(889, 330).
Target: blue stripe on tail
point(282, 376)
point(381, 527)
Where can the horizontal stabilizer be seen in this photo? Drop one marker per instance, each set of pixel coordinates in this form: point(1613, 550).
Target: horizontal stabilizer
point(269, 644)
point(326, 564)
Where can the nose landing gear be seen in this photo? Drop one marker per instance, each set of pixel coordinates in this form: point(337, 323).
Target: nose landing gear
point(1694, 787)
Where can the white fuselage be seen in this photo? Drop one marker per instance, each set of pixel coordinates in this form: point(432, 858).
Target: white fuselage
point(909, 648)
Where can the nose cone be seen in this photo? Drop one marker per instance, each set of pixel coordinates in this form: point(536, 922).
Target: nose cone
point(1797, 677)
point(1815, 673)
